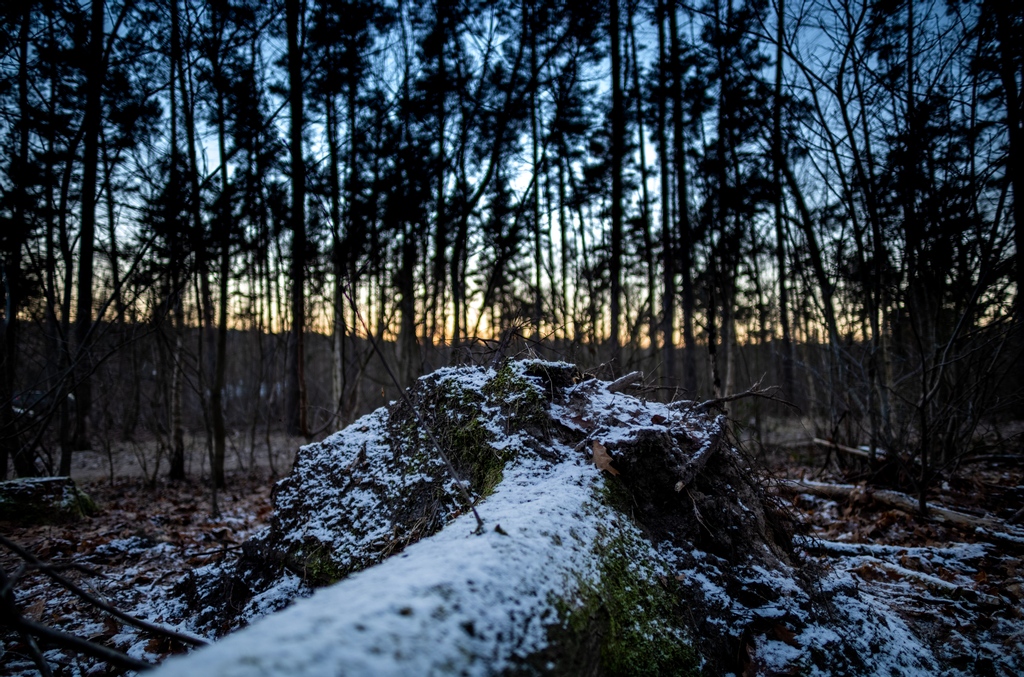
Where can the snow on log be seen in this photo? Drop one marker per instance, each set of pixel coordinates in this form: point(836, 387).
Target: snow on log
point(620, 537)
point(43, 500)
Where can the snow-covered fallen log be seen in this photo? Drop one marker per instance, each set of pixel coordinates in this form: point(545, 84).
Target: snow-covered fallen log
point(471, 603)
point(43, 500)
point(620, 537)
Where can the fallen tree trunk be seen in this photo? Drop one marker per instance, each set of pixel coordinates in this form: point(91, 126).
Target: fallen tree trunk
point(620, 537)
point(880, 454)
point(987, 528)
point(475, 603)
point(43, 500)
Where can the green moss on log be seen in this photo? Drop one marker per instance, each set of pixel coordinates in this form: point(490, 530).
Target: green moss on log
point(319, 568)
point(43, 500)
point(454, 417)
point(627, 622)
point(641, 606)
point(523, 405)
point(631, 609)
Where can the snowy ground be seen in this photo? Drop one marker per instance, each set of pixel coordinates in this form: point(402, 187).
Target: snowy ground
point(142, 542)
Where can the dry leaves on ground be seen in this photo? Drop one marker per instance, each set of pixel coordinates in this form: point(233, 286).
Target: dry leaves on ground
point(142, 541)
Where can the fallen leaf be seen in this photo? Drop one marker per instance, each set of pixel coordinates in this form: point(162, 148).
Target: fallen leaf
point(750, 668)
point(602, 459)
point(159, 646)
point(583, 423)
point(784, 634)
point(868, 572)
point(110, 628)
point(36, 610)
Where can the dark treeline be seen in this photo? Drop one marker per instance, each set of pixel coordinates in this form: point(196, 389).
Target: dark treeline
point(208, 206)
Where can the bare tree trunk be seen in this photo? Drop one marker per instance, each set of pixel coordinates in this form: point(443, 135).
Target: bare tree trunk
point(113, 257)
point(788, 383)
point(668, 240)
point(87, 234)
point(729, 326)
point(177, 470)
point(10, 444)
point(296, 390)
point(721, 210)
point(56, 313)
point(407, 348)
point(1010, 69)
point(217, 391)
point(645, 198)
point(58, 368)
point(529, 27)
point(338, 260)
point(177, 458)
point(617, 143)
point(716, 381)
point(564, 228)
point(268, 373)
point(408, 353)
point(459, 264)
point(66, 364)
point(437, 301)
point(685, 243)
point(10, 273)
point(529, 33)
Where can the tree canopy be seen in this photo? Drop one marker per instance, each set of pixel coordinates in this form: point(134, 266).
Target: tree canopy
point(207, 208)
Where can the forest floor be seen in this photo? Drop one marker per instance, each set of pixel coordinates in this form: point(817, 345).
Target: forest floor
point(147, 536)
point(954, 585)
point(142, 541)
point(271, 454)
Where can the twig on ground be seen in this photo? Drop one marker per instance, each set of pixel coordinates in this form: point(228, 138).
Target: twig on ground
point(29, 630)
point(880, 454)
point(219, 551)
point(65, 566)
point(935, 584)
point(66, 641)
point(999, 458)
point(37, 654)
point(98, 603)
point(625, 382)
point(821, 546)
